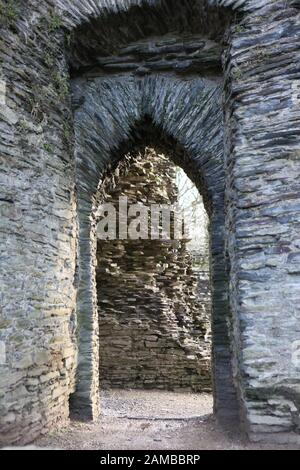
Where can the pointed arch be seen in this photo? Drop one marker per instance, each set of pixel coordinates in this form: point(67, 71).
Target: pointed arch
point(186, 114)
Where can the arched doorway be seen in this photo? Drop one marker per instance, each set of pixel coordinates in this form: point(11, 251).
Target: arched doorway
point(153, 298)
point(173, 83)
point(105, 131)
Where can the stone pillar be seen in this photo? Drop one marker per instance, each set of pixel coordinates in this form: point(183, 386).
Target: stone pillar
point(263, 194)
point(85, 400)
point(225, 396)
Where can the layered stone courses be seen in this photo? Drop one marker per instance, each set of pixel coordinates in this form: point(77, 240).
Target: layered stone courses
point(154, 330)
point(257, 220)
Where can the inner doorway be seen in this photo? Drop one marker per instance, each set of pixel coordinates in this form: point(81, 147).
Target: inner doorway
point(153, 289)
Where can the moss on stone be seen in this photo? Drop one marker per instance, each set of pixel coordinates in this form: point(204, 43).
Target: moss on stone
point(9, 13)
point(48, 147)
point(240, 29)
point(49, 59)
point(61, 84)
point(54, 22)
point(67, 129)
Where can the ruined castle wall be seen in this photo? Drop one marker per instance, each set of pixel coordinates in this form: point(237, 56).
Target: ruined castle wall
point(262, 119)
point(37, 226)
point(154, 332)
point(38, 204)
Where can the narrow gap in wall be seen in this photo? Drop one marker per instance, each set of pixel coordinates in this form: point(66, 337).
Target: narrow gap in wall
point(153, 293)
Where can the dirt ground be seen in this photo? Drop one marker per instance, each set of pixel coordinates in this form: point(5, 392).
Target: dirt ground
point(149, 420)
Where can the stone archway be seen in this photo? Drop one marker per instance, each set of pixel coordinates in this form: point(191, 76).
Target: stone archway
point(191, 111)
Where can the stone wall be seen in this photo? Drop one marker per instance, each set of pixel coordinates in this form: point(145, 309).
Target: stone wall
point(37, 226)
point(258, 220)
point(262, 195)
point(153, 330)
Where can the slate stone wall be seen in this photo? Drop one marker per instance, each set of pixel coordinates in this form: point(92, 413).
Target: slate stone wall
point(43, 218)
point(38, 227)
point(154, 330)
point(262, 120)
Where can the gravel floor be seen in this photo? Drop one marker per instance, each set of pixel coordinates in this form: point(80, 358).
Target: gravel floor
point(149, 420)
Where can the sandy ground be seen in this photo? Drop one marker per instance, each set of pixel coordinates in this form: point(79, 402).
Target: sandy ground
point(149, 420)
